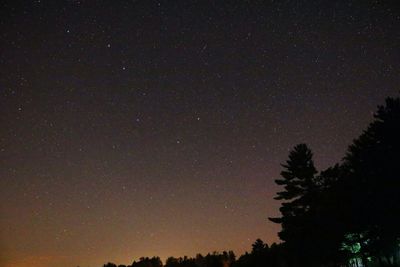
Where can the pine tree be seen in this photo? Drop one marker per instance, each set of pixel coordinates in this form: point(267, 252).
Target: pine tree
point(298, 179)
point(300, 190)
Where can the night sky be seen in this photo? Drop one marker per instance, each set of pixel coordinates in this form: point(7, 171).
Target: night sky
point(142, 128)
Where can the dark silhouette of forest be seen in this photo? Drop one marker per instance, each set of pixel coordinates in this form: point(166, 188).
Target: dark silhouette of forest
point(346, 215)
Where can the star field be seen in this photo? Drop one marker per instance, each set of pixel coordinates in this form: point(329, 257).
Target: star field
point(141, 128)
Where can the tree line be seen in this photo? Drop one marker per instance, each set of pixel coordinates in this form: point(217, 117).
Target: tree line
point(345, 215)
point(260, 255)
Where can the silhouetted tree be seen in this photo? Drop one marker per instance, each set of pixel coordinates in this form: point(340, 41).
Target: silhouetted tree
point(259, 253)
point(372, 163)
point(259, 247)
point(172, 262)
point(327, 221)
point(300, 191)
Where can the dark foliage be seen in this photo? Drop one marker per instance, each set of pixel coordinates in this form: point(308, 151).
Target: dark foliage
point(349, 212)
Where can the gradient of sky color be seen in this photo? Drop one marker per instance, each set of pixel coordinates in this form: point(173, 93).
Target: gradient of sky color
point(141, 128)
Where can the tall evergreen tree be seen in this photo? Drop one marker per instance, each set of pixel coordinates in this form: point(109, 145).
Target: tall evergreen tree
point(300, 190)
point(298, 180)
